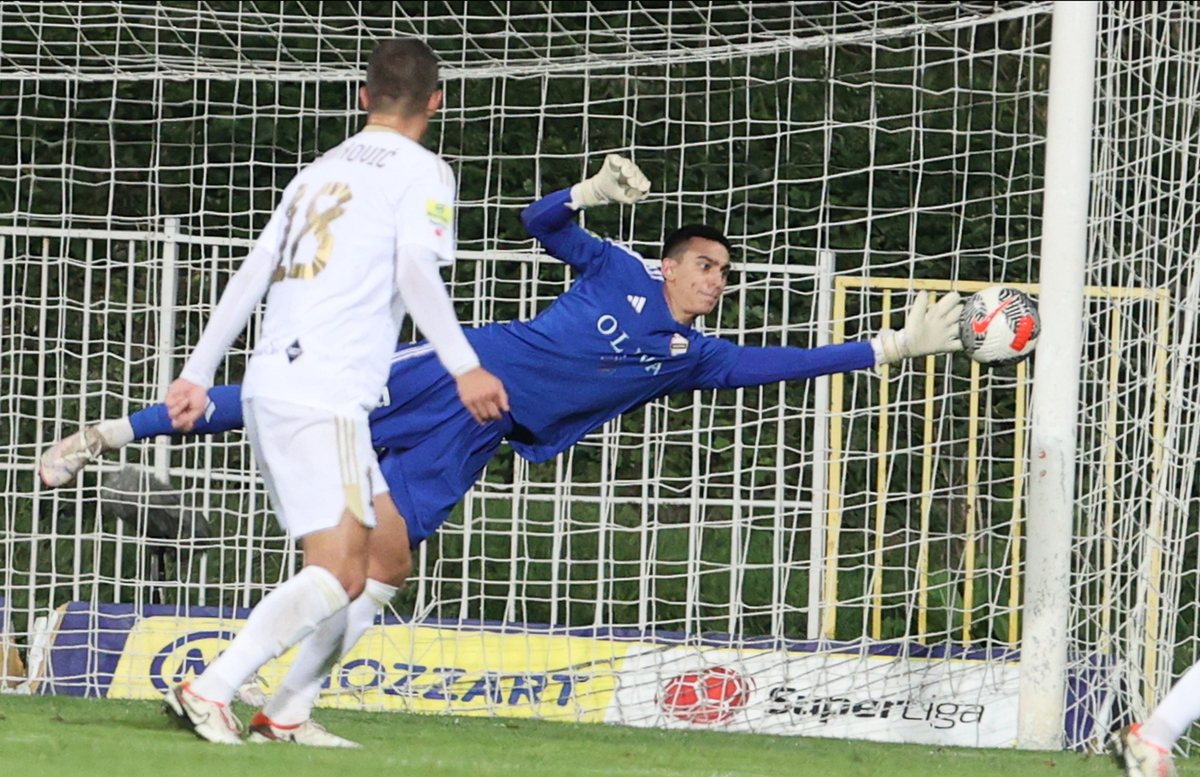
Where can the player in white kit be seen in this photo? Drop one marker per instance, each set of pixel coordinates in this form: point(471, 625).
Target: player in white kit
point(356, 240)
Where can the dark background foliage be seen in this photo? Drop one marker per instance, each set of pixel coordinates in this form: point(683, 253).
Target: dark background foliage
point(911, 155)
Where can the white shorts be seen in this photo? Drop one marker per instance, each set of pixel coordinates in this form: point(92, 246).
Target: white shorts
point(317, 464)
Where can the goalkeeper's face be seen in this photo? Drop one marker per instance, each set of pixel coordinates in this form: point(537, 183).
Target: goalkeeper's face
point(694, 280)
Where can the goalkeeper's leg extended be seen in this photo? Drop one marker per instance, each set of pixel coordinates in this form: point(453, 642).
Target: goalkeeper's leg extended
point(63, 460)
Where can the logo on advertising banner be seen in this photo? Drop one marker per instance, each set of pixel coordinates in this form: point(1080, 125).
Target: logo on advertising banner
point(710, 696)
point(186, 657)
point(477, 672)
point(401, 667)
point(161, 652)
point(885, 698)
point(854, 692)
point(936, 713)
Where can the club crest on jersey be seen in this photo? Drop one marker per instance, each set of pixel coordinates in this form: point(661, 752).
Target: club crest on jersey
point(636, 302)
point(679, 344)
point(293, 351)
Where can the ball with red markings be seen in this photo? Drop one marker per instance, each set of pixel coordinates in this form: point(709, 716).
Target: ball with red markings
point(999, 325)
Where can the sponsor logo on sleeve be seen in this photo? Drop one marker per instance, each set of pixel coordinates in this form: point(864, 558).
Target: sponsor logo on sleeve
point(679, 344)
point(439, 213)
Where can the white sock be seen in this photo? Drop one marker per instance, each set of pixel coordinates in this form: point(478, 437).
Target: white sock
point(1175, 712)
point(283, 617)
point(293, 702)
point(117, 432)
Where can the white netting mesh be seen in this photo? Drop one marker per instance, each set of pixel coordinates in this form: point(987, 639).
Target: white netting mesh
point(1136, 533)
point(901, 141)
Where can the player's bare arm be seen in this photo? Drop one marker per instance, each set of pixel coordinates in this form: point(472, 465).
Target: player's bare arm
point(483, 394)
point(185, 403)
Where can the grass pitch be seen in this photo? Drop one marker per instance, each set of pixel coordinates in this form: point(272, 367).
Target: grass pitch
point(85, 737)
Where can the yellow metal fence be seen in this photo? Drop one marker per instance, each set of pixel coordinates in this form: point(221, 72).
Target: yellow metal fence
point(919, 392)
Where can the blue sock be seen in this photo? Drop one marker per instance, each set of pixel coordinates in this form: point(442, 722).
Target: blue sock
point(224, 412)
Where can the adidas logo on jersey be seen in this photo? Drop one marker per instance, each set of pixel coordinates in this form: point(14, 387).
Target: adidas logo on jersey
point(637, 302)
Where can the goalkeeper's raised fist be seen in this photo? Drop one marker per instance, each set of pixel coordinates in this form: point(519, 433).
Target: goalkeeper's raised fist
point(619, 180)
point(927, 330)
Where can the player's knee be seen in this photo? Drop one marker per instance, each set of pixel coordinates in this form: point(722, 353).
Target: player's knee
point(353, 577)
point(390, 564)
point(350, 576)
point(402, 568)
point(353, 582)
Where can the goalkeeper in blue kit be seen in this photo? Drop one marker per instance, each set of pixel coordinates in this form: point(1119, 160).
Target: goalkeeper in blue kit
point(621, 337)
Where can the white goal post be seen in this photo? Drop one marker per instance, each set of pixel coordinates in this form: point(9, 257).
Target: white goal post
point(1053, 430)
point(850, 556)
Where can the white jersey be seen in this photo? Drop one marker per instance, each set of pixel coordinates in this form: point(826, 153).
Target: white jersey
point(331, 256)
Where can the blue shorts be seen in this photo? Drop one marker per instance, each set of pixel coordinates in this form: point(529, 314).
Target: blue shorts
point(431, 450)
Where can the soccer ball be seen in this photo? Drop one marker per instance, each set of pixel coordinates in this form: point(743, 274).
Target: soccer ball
point(999, 325)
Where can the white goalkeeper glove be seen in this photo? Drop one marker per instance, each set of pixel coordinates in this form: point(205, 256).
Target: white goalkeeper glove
point(926, 331)
point(619, 180)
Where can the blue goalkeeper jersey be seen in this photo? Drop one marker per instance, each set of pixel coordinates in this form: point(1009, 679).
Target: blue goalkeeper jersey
point(607, 345)
point(610, 344)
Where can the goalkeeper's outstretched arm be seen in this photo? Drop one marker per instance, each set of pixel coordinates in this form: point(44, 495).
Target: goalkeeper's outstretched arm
point(927, 331)
point(552, 218)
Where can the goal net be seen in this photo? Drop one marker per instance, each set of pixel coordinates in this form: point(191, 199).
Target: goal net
point(840, 557)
